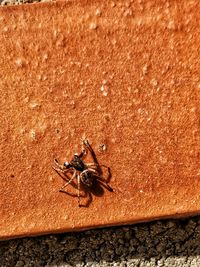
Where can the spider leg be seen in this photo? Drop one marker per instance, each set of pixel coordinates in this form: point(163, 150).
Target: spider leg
point(92, 164)
point(87, 194)
point(59, 167)
point(60, 170)
point(83, 153)
point(68, 182)
point(57, 163)
point(84, 150)
point(86, 143)
point(78, 189)
point(98, 165)
point(88, 146)
point(95, 172)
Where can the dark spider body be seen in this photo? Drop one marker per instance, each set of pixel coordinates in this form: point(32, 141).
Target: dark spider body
point(87, 178)
point(76, 163)
point(85, 173)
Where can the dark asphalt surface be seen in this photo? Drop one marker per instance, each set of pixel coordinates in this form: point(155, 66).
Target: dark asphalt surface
point(160, 243)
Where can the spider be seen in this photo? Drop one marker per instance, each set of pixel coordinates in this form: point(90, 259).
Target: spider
point(85, 173)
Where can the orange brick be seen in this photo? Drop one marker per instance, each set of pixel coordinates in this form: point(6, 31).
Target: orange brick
point(124, 75)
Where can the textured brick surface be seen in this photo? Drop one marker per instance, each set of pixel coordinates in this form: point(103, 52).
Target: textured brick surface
point(125, 75)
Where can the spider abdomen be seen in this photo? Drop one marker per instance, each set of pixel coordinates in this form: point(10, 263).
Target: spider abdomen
point(87, 178)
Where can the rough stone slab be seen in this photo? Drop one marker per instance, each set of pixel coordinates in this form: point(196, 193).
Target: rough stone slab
point(125, 75)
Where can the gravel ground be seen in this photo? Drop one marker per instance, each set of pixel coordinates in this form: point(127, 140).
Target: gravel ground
point(19, 2)
point(161, 243)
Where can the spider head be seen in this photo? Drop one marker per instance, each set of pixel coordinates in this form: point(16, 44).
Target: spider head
point(67, 165)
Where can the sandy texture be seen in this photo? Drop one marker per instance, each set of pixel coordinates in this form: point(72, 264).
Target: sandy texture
point(121, 75)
